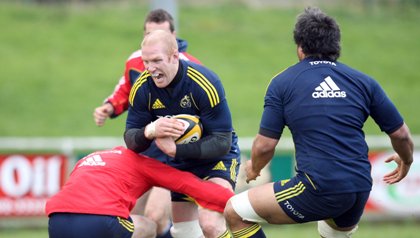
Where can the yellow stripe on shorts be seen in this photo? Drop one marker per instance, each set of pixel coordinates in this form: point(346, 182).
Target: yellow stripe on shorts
point(290, 192)
point(126, 224)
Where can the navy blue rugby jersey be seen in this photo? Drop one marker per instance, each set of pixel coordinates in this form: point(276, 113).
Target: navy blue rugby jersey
point(197, 91)
point(325, 105)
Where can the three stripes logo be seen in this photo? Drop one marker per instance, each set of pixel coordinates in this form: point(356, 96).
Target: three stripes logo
point(158, 104)
point(290, 192)
point(95, 160)
point(219, 166)
point(328, 89)
point(126, 224)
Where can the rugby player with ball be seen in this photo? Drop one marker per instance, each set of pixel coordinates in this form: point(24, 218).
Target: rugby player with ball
point(171, 86)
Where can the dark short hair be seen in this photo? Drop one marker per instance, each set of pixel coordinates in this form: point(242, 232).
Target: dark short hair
point(317, 34)
point(160, 16)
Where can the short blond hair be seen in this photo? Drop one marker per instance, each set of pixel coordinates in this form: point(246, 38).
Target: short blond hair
point(161, 36)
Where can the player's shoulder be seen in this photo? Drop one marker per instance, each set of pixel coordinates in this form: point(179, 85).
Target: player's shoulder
point(355, 72)
point(194, 70)
point(188, 57)
point(205, 84)
point(135, 55)
point(140, 87)
point(135, 61)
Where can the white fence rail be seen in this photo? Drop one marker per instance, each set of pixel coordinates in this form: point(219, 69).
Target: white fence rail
point(69, 144)
point(72, 145)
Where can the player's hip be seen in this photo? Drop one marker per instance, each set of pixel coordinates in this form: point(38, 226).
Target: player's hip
point(300, 200)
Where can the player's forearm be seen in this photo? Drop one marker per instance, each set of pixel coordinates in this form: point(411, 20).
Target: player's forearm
point(207, 194)
point(260, 160)
point(403, 144)
point(135, 140)
point(262, 152)
point(211, 146)
point(120, 105)
point(119, 98)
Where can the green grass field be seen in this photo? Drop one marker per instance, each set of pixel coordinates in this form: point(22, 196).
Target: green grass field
point(408, 229)
point(59, 62)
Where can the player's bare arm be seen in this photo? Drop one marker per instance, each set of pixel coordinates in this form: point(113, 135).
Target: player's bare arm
point(403, 145)
point(262, 152)
point(166, 145)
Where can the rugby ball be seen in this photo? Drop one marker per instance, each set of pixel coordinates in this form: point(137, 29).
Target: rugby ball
point(193, 128)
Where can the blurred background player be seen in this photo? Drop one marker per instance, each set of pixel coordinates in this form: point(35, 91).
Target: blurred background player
point(103, 187)
point(156, 203)
point(173, 86)
point(325, 104)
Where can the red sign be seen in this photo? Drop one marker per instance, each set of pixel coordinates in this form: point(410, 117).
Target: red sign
point(28, 180)
point(400, 199)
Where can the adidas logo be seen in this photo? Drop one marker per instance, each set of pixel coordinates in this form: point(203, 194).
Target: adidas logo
point(158, 104)
point(328, 89)
point(219, 166)
point(94, 160)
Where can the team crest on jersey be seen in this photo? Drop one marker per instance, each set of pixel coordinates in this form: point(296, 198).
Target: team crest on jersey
point(185, 102)
point(158, 104)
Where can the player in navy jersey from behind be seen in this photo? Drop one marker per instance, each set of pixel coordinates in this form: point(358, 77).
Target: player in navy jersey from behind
point(324, 103)
point(172, 86)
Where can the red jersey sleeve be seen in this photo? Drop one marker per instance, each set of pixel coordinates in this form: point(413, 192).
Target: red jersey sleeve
point(119, 98)
point(205, 193)
point(191, 58)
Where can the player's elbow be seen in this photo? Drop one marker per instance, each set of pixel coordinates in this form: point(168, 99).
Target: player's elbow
point(134, 140)
point(216, 145)
point(225, 142)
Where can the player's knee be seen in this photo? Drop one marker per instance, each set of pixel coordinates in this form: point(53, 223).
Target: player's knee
point(189, 229)
point(161, 216)
point(230, 214)
point(239, 205)
point(157, 215)
point(326, 231)
point(212, 223)
point(143, 227)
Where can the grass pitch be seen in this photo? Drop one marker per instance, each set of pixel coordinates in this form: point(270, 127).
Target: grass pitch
point(407, 229)
point(59, 62)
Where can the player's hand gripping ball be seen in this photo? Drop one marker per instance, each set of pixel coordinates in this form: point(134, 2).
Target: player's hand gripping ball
point(193, 128)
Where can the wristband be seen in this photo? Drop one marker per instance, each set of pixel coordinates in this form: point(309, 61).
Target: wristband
point(150, 131)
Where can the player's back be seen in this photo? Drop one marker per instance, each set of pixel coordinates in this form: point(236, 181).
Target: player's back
point(325, 106)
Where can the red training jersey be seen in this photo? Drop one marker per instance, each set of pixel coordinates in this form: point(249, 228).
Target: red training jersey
point(109, 183)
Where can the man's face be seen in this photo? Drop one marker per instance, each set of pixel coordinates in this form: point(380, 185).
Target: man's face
point(153, 26)
point(160, 63)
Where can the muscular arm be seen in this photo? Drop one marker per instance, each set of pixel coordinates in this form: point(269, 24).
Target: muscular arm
point(403, 145)
point(206, 193)
point(262, 152)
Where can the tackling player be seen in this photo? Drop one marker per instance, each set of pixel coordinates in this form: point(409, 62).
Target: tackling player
point(103, 187)
point(325, 104)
